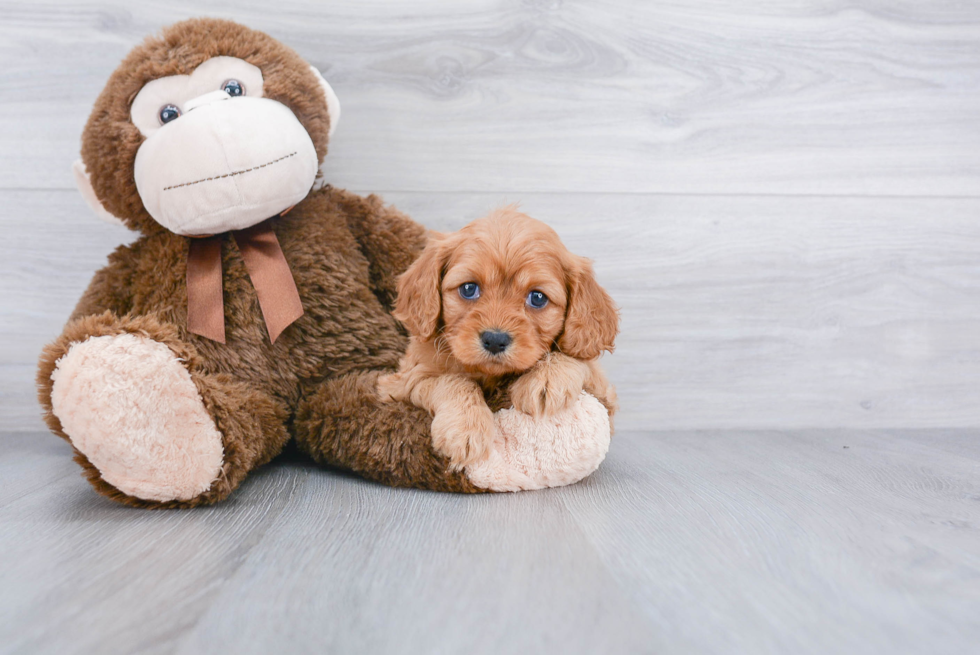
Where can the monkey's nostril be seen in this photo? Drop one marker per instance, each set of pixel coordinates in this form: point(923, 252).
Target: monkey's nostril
point(495, 341)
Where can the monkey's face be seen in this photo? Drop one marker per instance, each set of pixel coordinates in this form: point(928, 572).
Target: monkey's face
point(202, 141)
point(218, 156)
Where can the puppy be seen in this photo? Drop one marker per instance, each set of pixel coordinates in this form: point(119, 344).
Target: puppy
point(499, 298)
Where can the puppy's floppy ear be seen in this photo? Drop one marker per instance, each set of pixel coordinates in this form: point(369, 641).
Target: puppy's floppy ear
point(419, 301)
point(591, 318)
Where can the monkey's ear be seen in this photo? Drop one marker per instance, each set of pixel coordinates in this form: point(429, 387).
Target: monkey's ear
point(333, 104)
point(84, 185)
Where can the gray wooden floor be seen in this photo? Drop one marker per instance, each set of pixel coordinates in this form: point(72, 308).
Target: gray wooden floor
point(784, 197)
point(823, 541)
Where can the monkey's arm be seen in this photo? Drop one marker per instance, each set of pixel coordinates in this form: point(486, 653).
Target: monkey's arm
point(343, 422)
point(389, 239)
point(109, 290)
point(462, 423)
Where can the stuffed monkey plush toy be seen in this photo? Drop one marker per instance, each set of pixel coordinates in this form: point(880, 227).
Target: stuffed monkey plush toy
point(251, 309)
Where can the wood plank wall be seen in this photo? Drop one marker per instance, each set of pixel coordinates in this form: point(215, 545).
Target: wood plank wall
point(784, 197)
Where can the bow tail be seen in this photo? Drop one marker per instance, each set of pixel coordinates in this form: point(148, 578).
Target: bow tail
point(271, 277)
point(205, 300)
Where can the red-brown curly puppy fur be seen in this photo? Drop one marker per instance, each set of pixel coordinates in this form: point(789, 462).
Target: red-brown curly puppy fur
point(502, 296)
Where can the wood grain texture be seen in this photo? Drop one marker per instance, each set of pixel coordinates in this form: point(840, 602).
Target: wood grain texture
point(826, 96)
point(360, 569)
point(783, 198)
point(742, 310)
point(116, 580)
point(682, 542)
point(738, 312)
point(695, 522)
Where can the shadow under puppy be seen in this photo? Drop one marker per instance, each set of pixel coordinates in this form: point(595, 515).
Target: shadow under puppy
point(501, 306)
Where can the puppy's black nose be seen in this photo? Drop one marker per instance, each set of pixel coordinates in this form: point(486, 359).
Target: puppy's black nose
point(495, 341)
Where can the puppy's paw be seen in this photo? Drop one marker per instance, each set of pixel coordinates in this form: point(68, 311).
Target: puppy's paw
point(465, 437)
point(388, 385)
point(392, 387)
point(548, 388)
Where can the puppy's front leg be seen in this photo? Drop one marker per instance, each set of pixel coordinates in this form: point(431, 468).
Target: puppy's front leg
point(549, 386)
point(462, 425)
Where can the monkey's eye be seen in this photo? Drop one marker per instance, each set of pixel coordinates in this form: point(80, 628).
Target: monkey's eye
point(233, 88)
point(537, 299)
point(469, 291)
point(169, 113)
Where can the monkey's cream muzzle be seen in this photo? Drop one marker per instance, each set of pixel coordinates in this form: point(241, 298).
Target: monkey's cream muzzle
point(213, 166)
point(225, 164)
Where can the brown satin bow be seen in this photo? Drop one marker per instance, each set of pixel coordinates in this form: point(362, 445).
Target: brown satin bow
point(267, 268)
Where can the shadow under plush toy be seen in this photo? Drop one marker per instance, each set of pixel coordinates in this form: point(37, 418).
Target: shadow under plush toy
point(220, 333)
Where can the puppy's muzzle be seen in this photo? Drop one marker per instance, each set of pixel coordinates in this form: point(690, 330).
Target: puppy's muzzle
point(495, 341)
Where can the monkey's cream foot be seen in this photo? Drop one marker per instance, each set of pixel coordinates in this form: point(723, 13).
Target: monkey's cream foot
point(535, 453)
point(129, 405)
point(464, 435)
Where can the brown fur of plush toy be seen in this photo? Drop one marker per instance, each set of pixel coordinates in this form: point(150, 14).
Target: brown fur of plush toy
point(345, 252)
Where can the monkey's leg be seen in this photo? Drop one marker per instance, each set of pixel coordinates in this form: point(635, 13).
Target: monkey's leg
point(150, 428)
point(342, 422)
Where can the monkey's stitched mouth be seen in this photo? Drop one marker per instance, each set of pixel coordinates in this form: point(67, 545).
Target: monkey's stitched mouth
point(232, 174)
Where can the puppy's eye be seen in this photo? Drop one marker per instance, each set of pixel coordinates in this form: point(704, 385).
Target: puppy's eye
point(469, 291)
point(233, 88)
point(537, 299)
point(169, 113)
